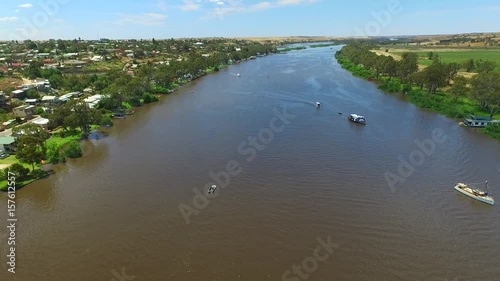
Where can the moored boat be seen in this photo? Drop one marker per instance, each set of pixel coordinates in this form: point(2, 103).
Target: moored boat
point(475, 193)
point(357, 118)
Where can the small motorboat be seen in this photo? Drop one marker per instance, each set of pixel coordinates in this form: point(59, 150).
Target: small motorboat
point(357, 119)
point(318, 104)
point(212, 189)
point(238, 75)
point(475, 192)
point(340, 113)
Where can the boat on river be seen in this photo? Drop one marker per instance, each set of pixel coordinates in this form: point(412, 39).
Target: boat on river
point(212, 189)
point(357, 119)
point(475, 192)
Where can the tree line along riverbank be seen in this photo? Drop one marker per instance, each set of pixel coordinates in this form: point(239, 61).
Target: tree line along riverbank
point(437, 87)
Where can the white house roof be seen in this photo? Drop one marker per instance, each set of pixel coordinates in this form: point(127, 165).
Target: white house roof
point(17, 91)
point(31, 100)
point(49, 98)
point(93, 98)
point(40, 121)
point(66, 96)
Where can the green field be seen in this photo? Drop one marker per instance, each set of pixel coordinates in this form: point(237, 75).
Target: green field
point(459, 56)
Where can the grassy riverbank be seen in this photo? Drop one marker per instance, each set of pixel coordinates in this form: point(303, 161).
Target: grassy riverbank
point(441, 102)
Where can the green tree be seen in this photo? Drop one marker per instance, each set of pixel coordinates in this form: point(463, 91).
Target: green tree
point(459, 88)
point(32, 94)
point(485, 66)
point(83, 117)
point(54, 154)
point(435, 76)
point(59, 114)
point(469, 65)
point(33, 70)
point(30, 150)
point(31, 130)
point(74, 150)
point(19, 170)
point(486, 90)
point(452, 70)
point(408, 65)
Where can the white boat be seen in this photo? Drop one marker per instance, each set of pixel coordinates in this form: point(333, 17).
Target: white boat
point(357, 118)
point(238, 75)
point(475, 193)
point(212, 189)
point(318, 104)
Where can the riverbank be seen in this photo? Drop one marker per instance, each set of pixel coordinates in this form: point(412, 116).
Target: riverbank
point(441, 102)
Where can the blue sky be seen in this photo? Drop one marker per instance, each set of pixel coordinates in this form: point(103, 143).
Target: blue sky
point(117, 19)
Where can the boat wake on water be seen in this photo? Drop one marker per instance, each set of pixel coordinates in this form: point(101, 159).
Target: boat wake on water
point(275, 96)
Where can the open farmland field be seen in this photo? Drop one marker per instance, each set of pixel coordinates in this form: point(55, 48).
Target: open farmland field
point(461, 56)
point(447, 54)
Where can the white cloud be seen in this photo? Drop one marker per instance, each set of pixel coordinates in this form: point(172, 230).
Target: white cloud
point(8, 19)
point(26, 6)
point(147, 19)
point(190, 5)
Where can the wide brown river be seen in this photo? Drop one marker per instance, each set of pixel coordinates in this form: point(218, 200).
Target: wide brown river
point(307, 196)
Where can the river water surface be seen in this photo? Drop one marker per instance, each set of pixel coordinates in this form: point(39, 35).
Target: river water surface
point(116, 210)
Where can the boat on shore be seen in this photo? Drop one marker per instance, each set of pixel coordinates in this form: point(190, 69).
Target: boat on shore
point(475, 192)
point(119, 115)
point(357, 119)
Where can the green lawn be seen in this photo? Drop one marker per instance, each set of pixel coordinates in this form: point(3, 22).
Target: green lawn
point(459, 56)
point(12, 160)
point(62, 141)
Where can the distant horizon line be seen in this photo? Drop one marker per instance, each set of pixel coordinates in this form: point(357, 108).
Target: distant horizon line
point(265, 37)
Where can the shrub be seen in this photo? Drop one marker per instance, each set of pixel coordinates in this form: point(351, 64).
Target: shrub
point(492, 130)
point(4, 174)
point(160, 90)
point(19, 171)
point(106, 120)
point(73, 150)
point(54, 154)
point(391, 86)
point(39, 174)
point(146, 98)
